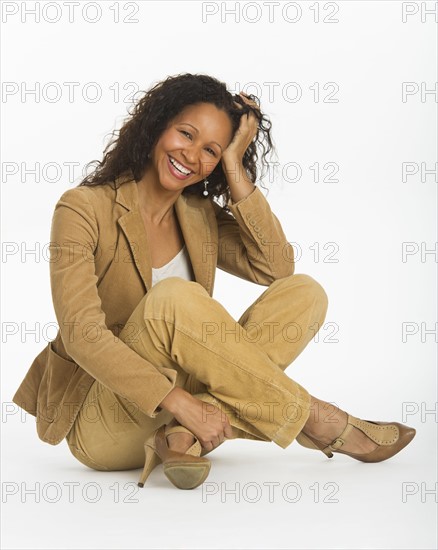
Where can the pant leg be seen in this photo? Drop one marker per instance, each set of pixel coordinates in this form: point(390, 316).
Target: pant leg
point(206, 338)
point(284, 330)
point(180, 323)
point(109, 431)
point(281, 321)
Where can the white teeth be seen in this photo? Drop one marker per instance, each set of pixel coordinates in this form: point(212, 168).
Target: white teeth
point(179, 167)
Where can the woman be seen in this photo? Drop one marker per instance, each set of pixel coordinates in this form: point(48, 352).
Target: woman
point(147, 367)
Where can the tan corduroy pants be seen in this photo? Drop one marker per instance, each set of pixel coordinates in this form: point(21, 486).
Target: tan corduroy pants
point(235, 365)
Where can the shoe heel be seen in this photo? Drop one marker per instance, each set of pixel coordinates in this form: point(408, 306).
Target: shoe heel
point(189, 470)
point(187, 476)
point(151, 461)
point(307, 441)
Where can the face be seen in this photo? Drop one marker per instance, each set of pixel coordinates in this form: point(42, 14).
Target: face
point(194, 141)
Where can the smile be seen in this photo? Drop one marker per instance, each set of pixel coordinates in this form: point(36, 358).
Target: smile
point(177, 169)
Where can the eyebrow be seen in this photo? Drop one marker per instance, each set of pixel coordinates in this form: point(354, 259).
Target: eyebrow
point(197, 131)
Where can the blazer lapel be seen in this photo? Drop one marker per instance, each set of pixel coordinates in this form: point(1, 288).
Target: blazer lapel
point(198, 226)
point(199, 229)
point(135, 233)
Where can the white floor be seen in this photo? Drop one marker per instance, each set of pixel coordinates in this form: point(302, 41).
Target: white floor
point(257, 496)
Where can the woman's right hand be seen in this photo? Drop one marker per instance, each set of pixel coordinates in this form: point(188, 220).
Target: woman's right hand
point(206, 421)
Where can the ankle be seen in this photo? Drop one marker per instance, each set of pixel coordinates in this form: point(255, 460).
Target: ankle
point(327, 428)
point(180, 442)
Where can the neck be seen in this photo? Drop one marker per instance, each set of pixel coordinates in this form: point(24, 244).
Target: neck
point(156, 203)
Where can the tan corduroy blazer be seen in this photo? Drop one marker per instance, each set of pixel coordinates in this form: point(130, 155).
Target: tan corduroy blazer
point(100, 269)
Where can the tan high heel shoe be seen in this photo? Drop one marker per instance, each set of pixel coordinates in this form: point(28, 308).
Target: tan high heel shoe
point(390, 437)
point(185, 471)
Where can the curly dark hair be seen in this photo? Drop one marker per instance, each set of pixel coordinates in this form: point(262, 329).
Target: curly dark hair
point(127, 154)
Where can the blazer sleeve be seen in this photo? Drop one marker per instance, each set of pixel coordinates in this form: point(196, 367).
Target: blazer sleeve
point(251, 241)
point(78, 308)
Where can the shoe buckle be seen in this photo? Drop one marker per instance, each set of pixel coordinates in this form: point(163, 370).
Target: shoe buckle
point(336, 444)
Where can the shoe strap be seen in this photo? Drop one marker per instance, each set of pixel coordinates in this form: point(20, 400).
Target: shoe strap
point(339, 441)
point(195, 449)
point(386, 434)
point(177, 429)
point(381, 433)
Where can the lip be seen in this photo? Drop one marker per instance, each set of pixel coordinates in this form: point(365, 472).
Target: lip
point(173, 169)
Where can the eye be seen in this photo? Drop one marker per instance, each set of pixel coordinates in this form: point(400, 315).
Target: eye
point(212, 152)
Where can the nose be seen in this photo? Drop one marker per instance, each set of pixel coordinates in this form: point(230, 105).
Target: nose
point(191, 155)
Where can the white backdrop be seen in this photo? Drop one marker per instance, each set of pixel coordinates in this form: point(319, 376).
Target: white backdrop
point(351, 90)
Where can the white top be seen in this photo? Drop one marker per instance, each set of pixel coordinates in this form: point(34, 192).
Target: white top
point(179, 266)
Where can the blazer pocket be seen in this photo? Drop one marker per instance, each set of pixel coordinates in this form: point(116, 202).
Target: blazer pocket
point(58, 374)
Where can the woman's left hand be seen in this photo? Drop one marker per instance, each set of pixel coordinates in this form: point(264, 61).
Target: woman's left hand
point(245, 133)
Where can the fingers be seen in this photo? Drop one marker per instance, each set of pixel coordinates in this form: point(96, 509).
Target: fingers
point(250, 102)
point(228, 431)
point(208, 446)
point(217, 430)
point(252, 119)
point(217, 440)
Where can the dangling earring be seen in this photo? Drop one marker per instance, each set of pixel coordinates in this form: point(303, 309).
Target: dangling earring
point(205, 192)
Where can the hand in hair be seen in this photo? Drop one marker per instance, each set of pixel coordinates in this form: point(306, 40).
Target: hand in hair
point(246, 132)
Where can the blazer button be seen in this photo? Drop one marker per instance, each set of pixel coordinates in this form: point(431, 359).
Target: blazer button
point(256, 228)
point(252, 222)
point(261, 235)
point(264, 241)
point(248, 216)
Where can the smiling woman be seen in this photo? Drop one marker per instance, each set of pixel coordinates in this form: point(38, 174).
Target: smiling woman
point(188, 151)
point(196, 110)
point(147, 366)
